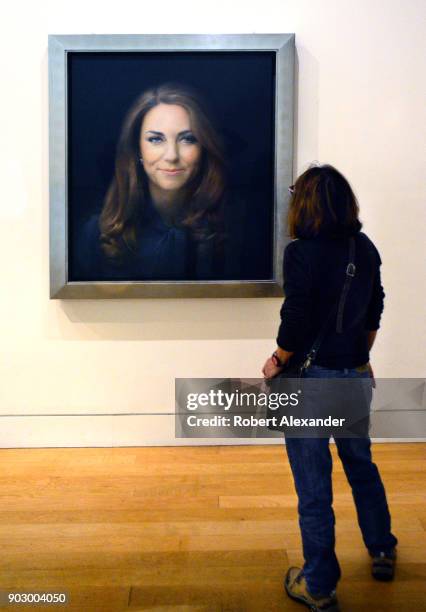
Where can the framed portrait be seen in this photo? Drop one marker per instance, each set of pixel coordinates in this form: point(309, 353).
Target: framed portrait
point(169, 158)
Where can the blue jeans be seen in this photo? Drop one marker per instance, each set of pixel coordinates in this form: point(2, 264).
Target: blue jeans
point(311, 464)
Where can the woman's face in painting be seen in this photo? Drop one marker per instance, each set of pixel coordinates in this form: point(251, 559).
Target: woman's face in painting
point(169, 149)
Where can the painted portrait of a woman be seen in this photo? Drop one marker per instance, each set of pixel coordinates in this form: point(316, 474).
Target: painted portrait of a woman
point(167, 212)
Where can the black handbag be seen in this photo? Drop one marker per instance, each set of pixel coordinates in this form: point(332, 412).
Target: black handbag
point(297, 370)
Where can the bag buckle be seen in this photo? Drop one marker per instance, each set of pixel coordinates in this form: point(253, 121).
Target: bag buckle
point(350, 270)
point(309, 357)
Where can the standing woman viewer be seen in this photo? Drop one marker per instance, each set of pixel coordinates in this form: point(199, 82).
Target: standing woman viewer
point(322, 219)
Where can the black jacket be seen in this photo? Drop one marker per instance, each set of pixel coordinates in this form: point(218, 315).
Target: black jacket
point(314, 274)
point(164, 252)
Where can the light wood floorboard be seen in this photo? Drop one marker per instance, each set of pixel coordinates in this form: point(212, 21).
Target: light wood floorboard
point(197, 529)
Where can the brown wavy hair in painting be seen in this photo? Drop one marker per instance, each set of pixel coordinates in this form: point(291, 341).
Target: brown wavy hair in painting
point(322, 203)
point(120, 219)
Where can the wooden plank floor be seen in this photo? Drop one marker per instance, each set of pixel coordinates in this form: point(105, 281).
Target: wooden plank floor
point(192, 529)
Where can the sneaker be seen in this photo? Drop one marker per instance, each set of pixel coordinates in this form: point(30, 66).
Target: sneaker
point(295, 585)
point(383, 566)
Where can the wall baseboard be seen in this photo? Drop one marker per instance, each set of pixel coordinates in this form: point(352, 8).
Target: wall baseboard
point(95, 430)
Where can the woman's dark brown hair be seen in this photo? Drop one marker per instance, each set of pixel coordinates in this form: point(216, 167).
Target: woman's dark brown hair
point(120, 219)
point(322, 203)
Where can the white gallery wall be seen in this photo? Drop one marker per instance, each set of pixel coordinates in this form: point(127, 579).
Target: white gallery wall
point(72, 371)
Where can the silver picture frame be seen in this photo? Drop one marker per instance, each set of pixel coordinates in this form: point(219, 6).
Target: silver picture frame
point(59, 46)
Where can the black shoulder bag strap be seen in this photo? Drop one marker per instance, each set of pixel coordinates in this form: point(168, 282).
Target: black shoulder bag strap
point(340, 303)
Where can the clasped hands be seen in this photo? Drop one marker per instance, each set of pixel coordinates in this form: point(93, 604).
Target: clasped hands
point(271, 369)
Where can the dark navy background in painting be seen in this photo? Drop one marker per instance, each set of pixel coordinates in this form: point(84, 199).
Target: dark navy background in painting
point(239, 88)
